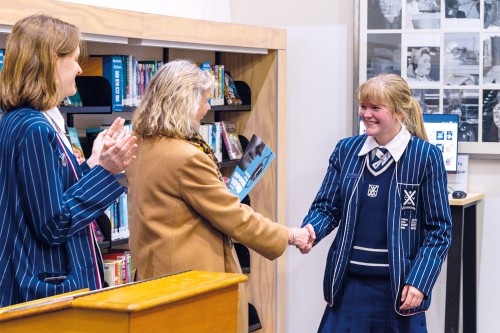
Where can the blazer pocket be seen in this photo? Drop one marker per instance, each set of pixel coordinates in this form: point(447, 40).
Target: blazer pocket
point(409, 194)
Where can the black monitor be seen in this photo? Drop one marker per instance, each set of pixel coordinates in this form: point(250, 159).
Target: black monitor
point(442, 131)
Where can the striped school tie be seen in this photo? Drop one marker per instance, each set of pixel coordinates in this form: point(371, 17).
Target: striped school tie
point(379, 158)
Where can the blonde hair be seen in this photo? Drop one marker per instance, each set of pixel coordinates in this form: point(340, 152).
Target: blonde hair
point(28, 76)
point(171, 100)
point(392, 91)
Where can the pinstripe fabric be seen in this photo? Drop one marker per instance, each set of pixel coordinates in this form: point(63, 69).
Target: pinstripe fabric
point(419, 218)
point(44, 212)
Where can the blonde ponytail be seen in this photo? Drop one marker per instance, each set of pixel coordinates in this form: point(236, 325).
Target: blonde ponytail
point(415, 122)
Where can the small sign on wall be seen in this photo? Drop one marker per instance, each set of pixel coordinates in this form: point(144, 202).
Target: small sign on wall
point(458, 181)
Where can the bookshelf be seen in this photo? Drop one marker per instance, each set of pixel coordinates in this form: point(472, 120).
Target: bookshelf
point(254, 55)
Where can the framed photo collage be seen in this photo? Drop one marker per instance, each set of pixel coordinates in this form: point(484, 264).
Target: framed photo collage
point(449, 53)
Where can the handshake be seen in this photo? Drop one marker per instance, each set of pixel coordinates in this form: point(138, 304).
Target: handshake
point(302, 238)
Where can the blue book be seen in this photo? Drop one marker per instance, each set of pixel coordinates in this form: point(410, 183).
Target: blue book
point(2, 53)
point(123, 205)
point(112, 70)
point(250, 168)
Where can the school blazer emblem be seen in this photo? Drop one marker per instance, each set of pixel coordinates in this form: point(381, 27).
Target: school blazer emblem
point(373, 190)
point(409, 199)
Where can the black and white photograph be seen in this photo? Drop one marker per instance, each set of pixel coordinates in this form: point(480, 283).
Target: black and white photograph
point(422, 64)
point(428, 99)
point(491, 115)
point(465, 104)
point(491, 59)
point(449, 53)
point(462, 9)
point(492, 14)
point(423, 14)
point(384, 14)
point(383, 54)
point(461, 59)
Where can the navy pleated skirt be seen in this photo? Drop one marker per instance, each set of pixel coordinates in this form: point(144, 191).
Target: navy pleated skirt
point(365, 306)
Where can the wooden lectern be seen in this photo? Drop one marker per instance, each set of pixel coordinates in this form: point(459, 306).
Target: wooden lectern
point(192, 301)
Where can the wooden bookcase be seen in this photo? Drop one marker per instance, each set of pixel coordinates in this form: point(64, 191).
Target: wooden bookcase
point(256, 55)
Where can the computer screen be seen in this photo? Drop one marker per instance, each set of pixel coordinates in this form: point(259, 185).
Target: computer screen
point(442, 131)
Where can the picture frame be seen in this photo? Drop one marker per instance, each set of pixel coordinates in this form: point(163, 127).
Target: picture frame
point(449, 53)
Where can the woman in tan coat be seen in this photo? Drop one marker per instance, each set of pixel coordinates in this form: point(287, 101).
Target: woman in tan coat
point(181, 214)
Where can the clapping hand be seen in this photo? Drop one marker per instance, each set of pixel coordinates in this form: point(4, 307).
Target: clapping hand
point(303, 238)
point(113, 149)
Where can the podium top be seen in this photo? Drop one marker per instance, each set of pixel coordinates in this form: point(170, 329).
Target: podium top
point(151, 293)
point(132, 297)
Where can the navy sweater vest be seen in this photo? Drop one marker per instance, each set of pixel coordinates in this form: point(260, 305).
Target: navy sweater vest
point(369, 255)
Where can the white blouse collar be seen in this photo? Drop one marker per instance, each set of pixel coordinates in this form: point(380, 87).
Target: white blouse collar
point(56, 119)
point(396, 146)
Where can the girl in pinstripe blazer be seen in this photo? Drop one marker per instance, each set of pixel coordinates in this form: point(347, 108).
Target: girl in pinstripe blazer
point(48, 200)
point(392, 214)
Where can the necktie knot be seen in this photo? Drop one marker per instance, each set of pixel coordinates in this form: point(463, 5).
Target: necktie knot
point(380, 156)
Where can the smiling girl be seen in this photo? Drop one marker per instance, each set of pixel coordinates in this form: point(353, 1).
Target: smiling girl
point(386, 192)
point(49, 199)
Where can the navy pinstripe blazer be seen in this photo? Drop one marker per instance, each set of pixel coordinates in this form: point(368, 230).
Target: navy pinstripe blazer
point(44, 212)
point(419, 217)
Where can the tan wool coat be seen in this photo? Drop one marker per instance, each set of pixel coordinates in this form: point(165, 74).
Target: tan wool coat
point(180, 214)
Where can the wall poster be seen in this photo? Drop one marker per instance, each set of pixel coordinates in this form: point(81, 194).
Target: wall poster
point(449, 53)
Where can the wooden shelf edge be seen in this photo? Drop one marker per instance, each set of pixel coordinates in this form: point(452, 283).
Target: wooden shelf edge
point(86, 109)
point(225, 108)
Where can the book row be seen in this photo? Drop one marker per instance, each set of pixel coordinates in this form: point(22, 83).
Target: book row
point(117, 268)
point(218, 133)
point(117, 213)
point(129, 77)
point(217, 95)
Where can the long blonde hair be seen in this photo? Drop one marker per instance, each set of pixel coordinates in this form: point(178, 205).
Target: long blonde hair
point(171, 100)
point(393, 91)
point(28, 76)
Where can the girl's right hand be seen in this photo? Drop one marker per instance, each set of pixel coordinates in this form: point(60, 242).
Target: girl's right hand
point(117, 154)
point(109, 134)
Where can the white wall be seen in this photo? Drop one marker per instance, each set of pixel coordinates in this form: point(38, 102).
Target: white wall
point(484, 177)
point(489, 269)
point(285, 13)
point(316, 120)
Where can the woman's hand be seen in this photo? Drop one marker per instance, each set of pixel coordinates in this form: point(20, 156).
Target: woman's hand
point(411, 297)
point(302, 238)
